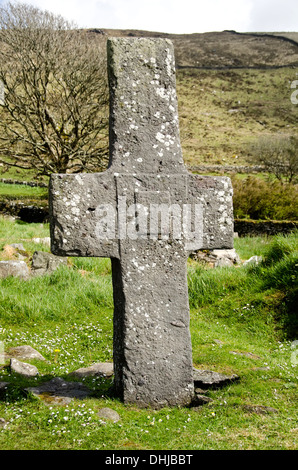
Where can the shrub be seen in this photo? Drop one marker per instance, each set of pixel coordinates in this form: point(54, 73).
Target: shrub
point(256, 199)
point(278, 154)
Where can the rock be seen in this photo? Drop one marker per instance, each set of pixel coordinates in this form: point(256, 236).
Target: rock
point(199, 391)
point(24, 352)
point(18, 246)
point(226, 257)
point(200, 400)
point(108, 414)
point(253, 261)
point(217, 258)
point(14, 251)
point(59, 391)
point(45, 263)
point(209, 378)
point(101, 369)
point(14, 268)
point(223, 262)
point(259, 409)
point(22, 368)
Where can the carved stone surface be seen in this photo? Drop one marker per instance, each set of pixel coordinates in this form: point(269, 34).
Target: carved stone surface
point(146, 213)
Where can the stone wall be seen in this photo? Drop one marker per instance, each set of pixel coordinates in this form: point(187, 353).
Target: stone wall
point(261, 227)
point(222, 169)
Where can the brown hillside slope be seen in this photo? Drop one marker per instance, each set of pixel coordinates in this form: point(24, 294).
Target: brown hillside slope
point(226, 49)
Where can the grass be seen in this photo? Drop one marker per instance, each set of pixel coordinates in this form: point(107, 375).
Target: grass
point(20, 191)
point(241, 322)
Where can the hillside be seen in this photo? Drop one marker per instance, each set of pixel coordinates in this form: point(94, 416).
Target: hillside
point(232, 88)
point(226, 49)
point(222, 111)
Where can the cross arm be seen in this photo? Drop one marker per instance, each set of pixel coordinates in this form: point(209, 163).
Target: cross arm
point(77, 204)
point(214, 198)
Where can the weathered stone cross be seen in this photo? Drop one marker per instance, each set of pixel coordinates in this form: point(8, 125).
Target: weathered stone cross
point(146, 213)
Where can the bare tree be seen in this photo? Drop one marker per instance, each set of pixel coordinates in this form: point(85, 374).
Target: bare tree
point(278, 154)
point(54, 113)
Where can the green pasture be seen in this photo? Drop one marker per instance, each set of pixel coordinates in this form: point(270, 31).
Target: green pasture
point(243, 321)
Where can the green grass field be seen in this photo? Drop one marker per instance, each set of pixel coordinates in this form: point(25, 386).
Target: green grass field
point(243, 321)
point(21, 191)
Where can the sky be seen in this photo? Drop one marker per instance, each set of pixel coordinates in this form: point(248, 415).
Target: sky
point(177, 16)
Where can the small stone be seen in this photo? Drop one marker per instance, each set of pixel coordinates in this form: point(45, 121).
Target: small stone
point(101, 369)
point(22, 368)
point(217, 258)
point(108, 414)
point(199, 391)
point(25, 352)
point(200, 400)
point(14, 268)
point(259, 409)
point(209, 378)
point(253, 261)
point(18, 246)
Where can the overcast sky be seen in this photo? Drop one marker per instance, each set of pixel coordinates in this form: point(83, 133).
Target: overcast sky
point(177, 16)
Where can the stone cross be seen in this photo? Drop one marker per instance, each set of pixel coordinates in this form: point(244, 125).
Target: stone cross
point(146, 213)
